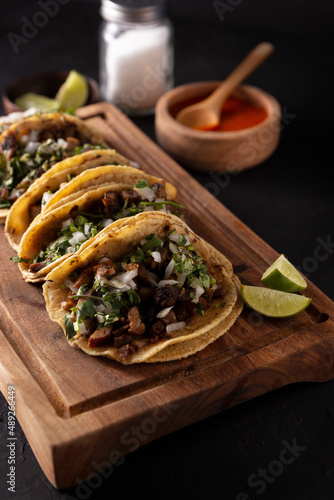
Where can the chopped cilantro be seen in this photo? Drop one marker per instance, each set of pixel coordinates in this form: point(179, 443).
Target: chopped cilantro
point(183, 240)
point(92, 216)
point(87, 308)
point(20, 259)
point(70, 111)
point(84, 224)
point(18, 173)
point(80, 220)
point(69, 327)
point(160, 204)
point(199, 309)
point(133, 297)
point(82, 289)
point(151, 244)
point(142, 184)
point(116, 301)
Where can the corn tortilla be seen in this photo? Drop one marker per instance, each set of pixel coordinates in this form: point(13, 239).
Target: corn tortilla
point(44, 228)
point(47, 125)
point(24, 209)
point(199, 331)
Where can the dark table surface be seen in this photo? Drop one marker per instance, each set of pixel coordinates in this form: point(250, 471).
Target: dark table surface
point(287, 200)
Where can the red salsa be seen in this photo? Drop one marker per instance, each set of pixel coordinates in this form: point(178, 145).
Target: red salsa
point(236, 114)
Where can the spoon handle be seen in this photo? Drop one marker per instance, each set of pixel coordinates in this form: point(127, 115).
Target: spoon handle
point(247, 65)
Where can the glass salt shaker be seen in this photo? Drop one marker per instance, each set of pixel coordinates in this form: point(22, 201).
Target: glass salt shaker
point(136, 54)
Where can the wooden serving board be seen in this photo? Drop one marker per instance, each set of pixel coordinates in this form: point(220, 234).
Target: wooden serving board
point(78, 411)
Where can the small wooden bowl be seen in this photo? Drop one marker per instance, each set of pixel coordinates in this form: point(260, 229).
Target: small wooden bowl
point(45, 84)
point(218, 151)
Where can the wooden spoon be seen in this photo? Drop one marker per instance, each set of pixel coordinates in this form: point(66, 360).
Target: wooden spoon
point(206, 114)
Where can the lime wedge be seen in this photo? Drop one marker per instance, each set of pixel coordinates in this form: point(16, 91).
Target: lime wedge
point(74, 91)
point(282, 275)
point(40, 102)
point(273, 303)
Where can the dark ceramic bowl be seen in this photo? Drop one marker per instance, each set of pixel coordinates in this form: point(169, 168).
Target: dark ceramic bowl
point(45, 84)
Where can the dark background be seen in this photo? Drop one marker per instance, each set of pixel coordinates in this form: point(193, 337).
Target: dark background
point(288, 201)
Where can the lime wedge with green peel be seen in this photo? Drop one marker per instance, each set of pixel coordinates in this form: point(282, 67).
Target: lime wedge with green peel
point(40, 102)
point(282, 275)
point(74, 91)
point(273, 303)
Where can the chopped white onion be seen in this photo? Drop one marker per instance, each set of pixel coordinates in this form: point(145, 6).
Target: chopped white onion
point(175, 326)
point(199, 290)
point(11, 118)
point(77, 236)
point(31, 147)
point(82, 328)
point(181, 278)
point(117, 284)
point(100, 318)
point(113, 320)
point(124, 289)
point(100, 308)
point(156, 256)
point(104, 259)
point(164, 312)
point(87, 228)
point(24, 139)
point(69, 285)
point(127, 276)
point(66, 223)
point(45, 148)
point(33, 136)
point(62, 143)
point(132, 284)
point(102, 280)
point(167, 282)
point(142, 242)
point(169, 268)
point(146, 193)
point(176, 238)
point(106, 222)
point(173, 248)
point(47, 195)
point(70, 250)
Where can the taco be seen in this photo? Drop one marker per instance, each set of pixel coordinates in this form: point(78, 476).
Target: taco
point(7, 120)
point(31, 146)
point(41, 191)
point(114, 193)
point(152, 290)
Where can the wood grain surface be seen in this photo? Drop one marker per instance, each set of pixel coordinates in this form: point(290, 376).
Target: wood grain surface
point(79, 412)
